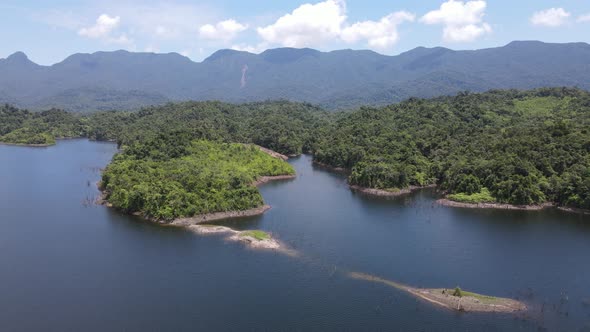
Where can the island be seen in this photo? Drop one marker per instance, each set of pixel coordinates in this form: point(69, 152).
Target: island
point(502, 149)
point(200, 181)
point(453, 299)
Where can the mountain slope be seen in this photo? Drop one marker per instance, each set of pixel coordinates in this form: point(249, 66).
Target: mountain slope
point(337, 79)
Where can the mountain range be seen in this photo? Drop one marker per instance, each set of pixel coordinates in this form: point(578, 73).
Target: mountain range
point(336, 80)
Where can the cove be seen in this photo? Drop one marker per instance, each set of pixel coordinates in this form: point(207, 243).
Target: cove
point(68, 266)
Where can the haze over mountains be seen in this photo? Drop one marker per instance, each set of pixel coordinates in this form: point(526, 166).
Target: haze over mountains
point(336, 80)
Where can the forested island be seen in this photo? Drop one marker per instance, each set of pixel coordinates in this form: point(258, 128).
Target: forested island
point(509, 147)
point(22, 127)
point(193, 178)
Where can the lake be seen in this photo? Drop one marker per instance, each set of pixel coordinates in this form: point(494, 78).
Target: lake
point(70, 265)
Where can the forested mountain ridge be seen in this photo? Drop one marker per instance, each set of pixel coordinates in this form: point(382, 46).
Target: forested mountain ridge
point(343, 79)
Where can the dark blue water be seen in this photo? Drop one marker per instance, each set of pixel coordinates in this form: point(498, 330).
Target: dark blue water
point(67, 265)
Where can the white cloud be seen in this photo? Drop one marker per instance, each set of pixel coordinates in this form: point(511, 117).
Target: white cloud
point(224, 30)
point(312, 25)
point(250, 48)
point(103, 27)
point(308, 25)
point(381, 34)
point(552, 17)
point(462, 21)
point(584, 18)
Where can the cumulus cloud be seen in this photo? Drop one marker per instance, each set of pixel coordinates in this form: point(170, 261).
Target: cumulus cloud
point(379, 34)
point(224, 30)
point(462, 21)
point(308, 25)
point(103, 29)
point(323, 22)
point(584, 18)
point(552, 17)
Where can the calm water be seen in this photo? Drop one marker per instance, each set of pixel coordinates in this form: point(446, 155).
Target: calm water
point(70, 266)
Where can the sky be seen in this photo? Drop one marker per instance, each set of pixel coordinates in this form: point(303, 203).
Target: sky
point(49, 31)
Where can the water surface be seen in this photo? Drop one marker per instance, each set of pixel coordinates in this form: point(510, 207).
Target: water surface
point(67, 265)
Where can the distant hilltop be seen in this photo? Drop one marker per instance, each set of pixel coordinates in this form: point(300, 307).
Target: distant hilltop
point(336, 80)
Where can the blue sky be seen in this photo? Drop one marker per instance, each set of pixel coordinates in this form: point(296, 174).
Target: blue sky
point(49, 31)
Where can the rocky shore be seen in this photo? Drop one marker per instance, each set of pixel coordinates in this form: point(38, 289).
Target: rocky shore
point(272, 153)
point(209, 217)
point(266, 179)
point(387, 193)
point(450, 203)
point(574, 210)
point(468, 302)
point(245, 237)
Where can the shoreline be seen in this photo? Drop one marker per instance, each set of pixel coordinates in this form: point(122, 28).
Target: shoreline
point(28, 145)
point(386, 193)
point(243, 237)
point(266, 179)
point(216, 216)
point(330, 168)
point(200, 224)
point(469, 302)
point(50, 144)
point(497, 206)
point(271, 153)
point(372, 191)
point(574, 210)
point(207, 217)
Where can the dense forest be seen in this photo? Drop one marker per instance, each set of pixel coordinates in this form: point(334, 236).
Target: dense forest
point(38, 128)
point(508, 146)
point(286, 127)
point(197, 178)
point(502, 146)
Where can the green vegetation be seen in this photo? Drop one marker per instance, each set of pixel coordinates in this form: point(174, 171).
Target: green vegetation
point(483, 298)
point(524, 147)
point(258, 235)
point(458, 292)
point(37, 128)
point(513, 147)
point(285, 127)
point(197, 178)
point(483, 196)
